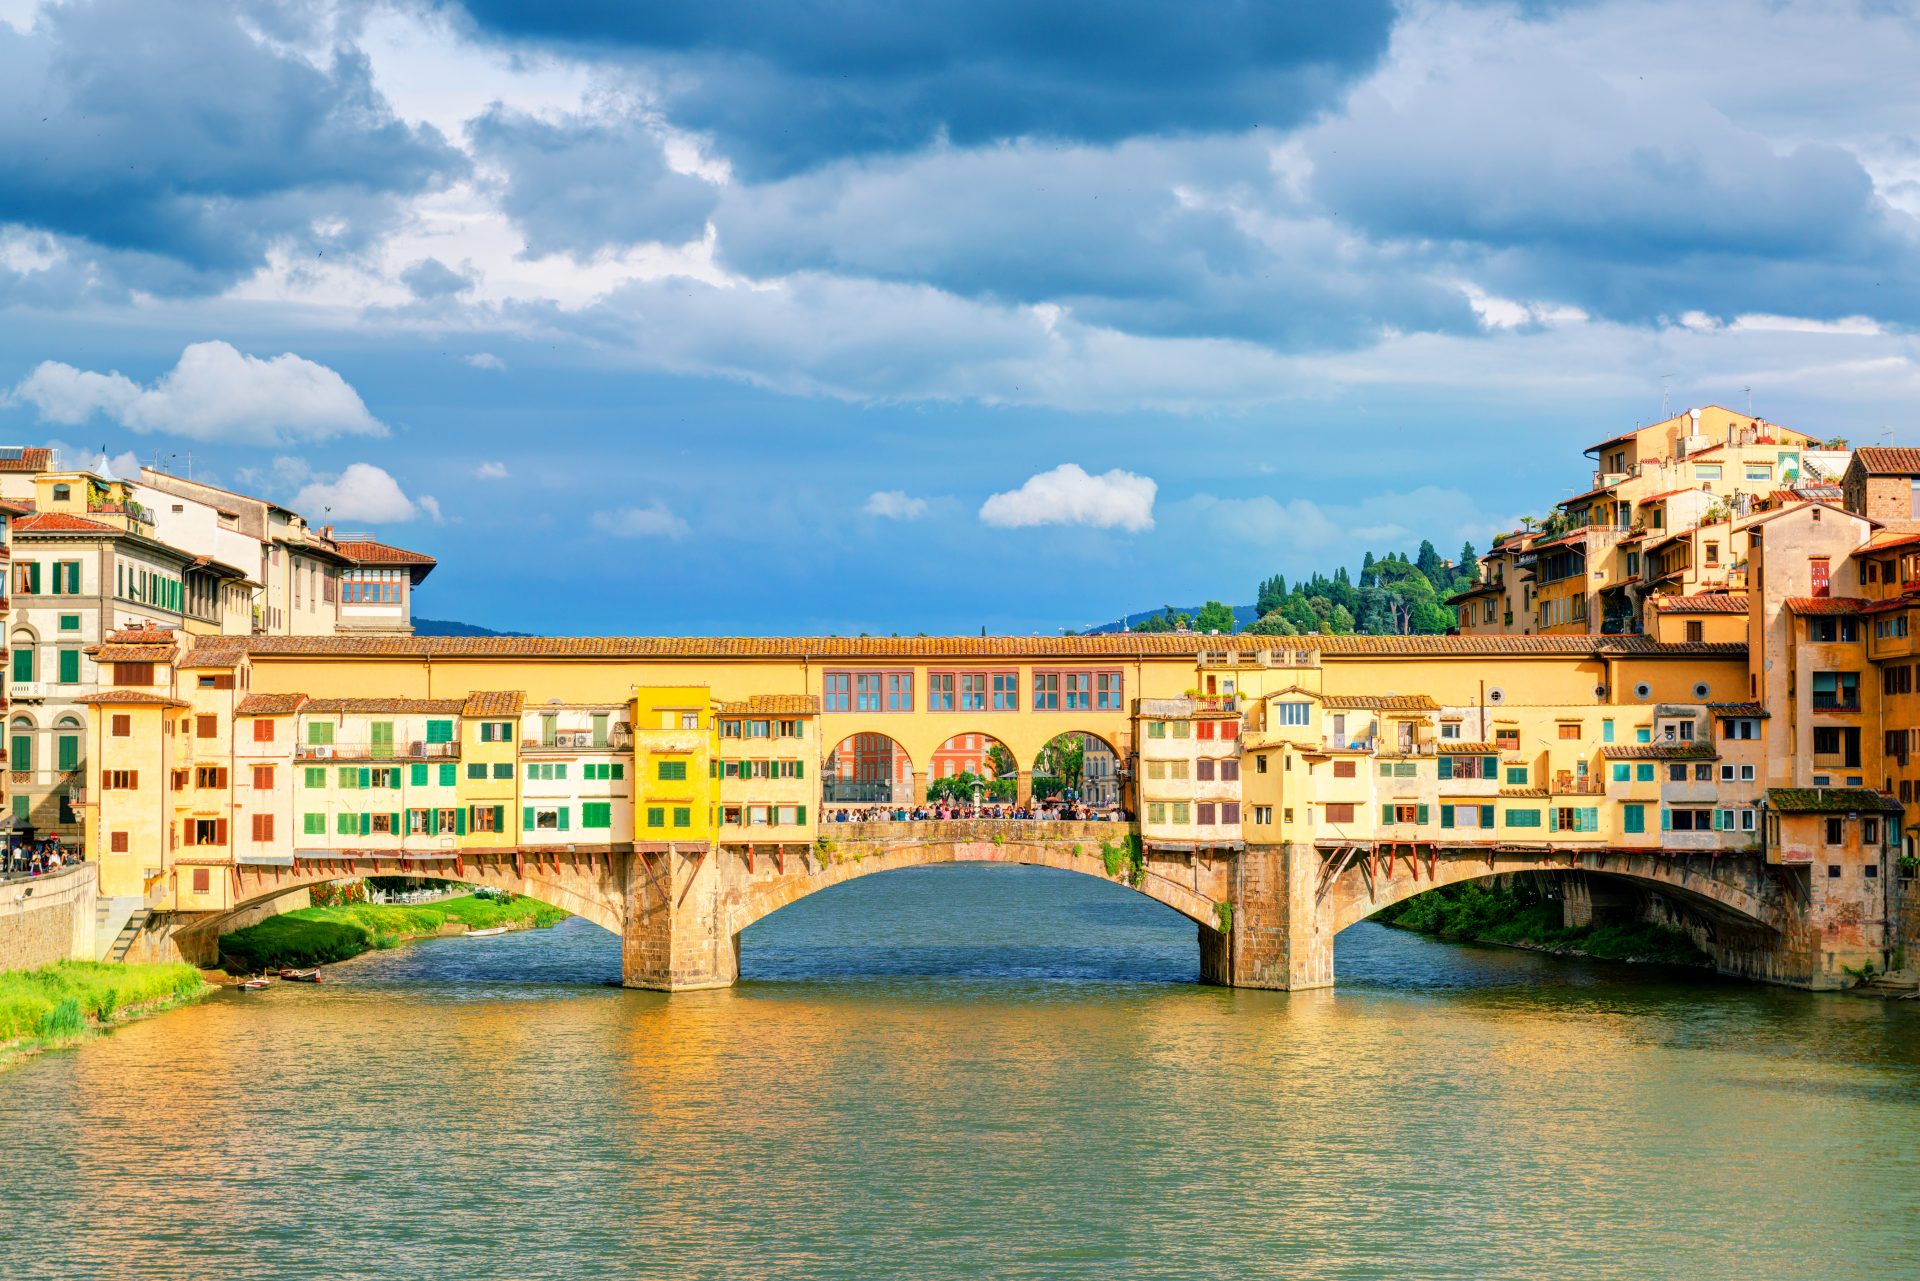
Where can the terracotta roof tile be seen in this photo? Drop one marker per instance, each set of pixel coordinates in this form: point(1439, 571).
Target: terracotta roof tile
point(60, 523)
point(1887, 460)
point(117, 697)
point(215, 651)
point(1118, 645)
point(400, 706)
point(494, 702)
point(1823, 605)
point(1455, 747)
point(270, 704)
point(32, 458)
point(1659, 752)
point(1888, 539)
point(1739, 709)
point(1702, 603)
point(1381, 702)
point(1540, 793)
point(774, 705)
point(1830, 800)
point(133, 653)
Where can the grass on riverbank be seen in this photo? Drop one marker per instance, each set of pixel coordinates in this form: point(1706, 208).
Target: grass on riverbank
point(1493, 913)
point(320, 935)
point(57, 1004)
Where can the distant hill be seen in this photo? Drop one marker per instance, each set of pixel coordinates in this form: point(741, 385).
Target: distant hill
point(1242, 615)
point(447, 627)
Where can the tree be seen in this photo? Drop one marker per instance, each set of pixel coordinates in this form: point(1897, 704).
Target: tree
point(1062, 763)
point(1340, 622)
point(1272, 591)
point(955, 787)
point(1368, 576)
point(1430, 619)
point(1001, 760)
point(1273, 624)
point(1161, 622)
point(1468, 557)
point(1429, 561)
point(1298, 612)
point(1214, 617)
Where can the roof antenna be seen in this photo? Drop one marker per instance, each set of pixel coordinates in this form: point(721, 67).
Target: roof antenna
point(1749, 392)
point(1664, 415)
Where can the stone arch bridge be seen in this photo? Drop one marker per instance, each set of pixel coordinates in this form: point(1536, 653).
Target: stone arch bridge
point(1265, 916)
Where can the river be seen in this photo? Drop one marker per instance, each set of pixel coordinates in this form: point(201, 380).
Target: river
point(975, 1072)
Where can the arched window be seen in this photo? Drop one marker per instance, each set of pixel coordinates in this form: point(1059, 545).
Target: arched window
point(67, 738)
point(26, 660)
point(61, 493)
point(20, 745)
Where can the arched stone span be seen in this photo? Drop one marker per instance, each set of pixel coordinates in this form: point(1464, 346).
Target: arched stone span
point(589, 886)
point(1735, 887)
point(1192, 887)
point(1098, 780)
point(867, 768)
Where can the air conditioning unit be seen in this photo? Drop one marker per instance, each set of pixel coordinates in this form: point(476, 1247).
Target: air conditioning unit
point(323, 753)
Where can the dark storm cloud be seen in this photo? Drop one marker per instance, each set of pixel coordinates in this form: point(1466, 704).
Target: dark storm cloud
point(583, 184)
point(160, 133)
point(784, 85)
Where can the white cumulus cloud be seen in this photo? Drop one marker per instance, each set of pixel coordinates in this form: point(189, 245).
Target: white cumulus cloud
point(894, 504)
point(1067, 495)
point(485, 360)
point(652, 521)
point(214, 393)
point(491, 471)
point(361, 492)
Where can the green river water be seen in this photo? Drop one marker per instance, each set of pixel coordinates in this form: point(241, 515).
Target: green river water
point(975, 1072)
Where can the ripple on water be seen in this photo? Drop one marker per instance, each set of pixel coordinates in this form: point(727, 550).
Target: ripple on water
point(974, 1071)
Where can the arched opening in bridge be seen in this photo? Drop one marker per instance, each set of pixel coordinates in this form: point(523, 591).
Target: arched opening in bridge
point(973, 923)
point(867, 769)
point(1080, 768)
point(970, 769)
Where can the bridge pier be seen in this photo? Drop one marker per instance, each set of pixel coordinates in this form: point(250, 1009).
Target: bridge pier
point(1282, 937)
point(675, 937)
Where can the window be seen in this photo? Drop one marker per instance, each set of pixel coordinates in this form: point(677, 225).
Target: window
point(1740, 727)
point(122, 725)
point(1570, 729)
point(1836, 831)
point(128, 675)
point(1633, 819)
point(496, 731)
point(1181, 813)
point(1690, 820)
point(1869, 831)
point(263, 827)
point(682, 816)
point(1156, 812)
point(836, 692)
point(1522, 818)
point(1836, 691)
point(1516, 776)
point(1340, 811)
point(1696, 631)
point(1204, 813)
point(1262, 814)
point(1827, 631)
point(1006, 691)
point(206, 727)
point(503, 769)
point(1294, 713)
point(119, 780)
point(940, 691)
point(673, 771)
point(1507, 740)
point(476, 769)
point(1046, 691)
point(1156, 729)
point(263, 778)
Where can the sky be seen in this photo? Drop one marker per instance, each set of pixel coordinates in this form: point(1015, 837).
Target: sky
point(832, 316)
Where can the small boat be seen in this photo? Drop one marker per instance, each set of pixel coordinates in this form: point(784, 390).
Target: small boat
point(301, 976)
point(254, 985)
point(489, 932)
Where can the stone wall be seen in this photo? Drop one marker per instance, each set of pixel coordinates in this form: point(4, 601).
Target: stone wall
point(48, 918)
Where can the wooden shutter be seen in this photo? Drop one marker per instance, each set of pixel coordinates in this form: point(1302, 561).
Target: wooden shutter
point(499, 818)
point(460, 821)
point(800, 815)
point(1486, 816)
point(1446, 772)
point(366, 824)
point(560, 813)
point(526, 820)
point(1446, 811)
point(1420, 815)
point(1386, 816)
point(219, 831)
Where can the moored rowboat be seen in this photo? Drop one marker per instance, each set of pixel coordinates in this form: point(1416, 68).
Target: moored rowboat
point(490, 930)
point(254, 985)
point(301, 976)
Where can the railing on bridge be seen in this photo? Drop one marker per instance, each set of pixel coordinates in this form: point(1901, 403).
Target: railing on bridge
point(979, 829)
point(838, 792)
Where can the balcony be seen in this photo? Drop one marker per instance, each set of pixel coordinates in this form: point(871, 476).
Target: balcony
point(619, 740)
point(376, 751)
point(131, 510)
point(1567, 783)
point(27, 689)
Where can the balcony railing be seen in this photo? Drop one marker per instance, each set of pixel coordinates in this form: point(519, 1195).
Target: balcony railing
point(579, 740)
point(1568, 784)
point(376, 751)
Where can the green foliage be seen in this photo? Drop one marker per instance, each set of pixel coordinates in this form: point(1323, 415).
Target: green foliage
point(1214, 617)
point(1516, 914)
point(321, 935)
point(957, 788)
point(1272, 624)
point(72, 995)
point(1223, 914)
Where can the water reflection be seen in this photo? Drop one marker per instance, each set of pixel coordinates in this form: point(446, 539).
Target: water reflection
point(967, 1071)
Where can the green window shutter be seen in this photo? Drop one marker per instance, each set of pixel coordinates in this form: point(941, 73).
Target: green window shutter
point(1632, 819)
point(1446, 813)
point(433, 822)
point(499, 818)
point(503, 769)
point(1622, 773)
point(476, 769)
point(1590, 818)
point(460, 821)
point(33, 578)
point(526, 824)
point(1386, 816)
point(1486, 816)
point(316, 824)
point(800, 815)
point(1446, 772)
point(439, 731)
point(316, 776)
point(560, 771)
point(800, 771)
point(349, 777)
point(448, 775)
point(346, 824)
point(1490, 767)
point(1643, 773)
point(1606, 731)
point(366, 776)
point(20, 752)
point(419, 774)
point(1666, 819)
point(619, 770)
point(531, 770)
point(394, 823)
point(561, 815)
point(69, 667)
point(67, 750)
point(366, 824)
point(1553, 819)
point(1420, 815)
point(319, 733)
point(23, 664)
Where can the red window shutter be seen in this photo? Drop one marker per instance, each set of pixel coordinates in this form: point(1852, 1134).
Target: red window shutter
point(219, 831)
point(119, 842)
point(122, 725)
point(263, 730)
point(206, 726)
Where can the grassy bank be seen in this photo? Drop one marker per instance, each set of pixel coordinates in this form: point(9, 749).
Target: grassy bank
point(1518, 916)
point(319, 935)
point(60, 1004)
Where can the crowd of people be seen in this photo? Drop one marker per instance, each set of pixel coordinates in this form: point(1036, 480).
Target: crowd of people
point(36, 858)
point(1039, 811)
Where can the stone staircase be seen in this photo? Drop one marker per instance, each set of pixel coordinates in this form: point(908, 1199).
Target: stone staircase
point(117, 922)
